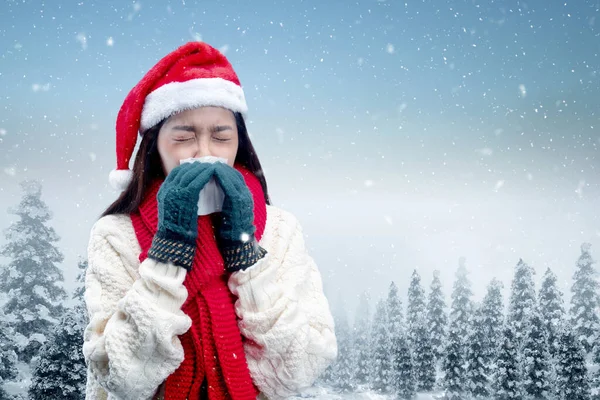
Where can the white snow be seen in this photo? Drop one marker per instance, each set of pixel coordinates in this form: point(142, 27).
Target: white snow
point(325, 393)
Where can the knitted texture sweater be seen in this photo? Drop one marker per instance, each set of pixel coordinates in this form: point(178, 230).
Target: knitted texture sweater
point(131, 344)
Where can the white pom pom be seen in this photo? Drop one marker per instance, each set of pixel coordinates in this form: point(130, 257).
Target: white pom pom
point(120, 178)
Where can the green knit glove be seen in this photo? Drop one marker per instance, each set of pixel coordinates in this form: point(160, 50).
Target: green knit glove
point(235, 234)
point(175, 239)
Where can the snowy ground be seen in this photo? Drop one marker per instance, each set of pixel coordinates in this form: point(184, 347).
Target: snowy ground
point(323, 393)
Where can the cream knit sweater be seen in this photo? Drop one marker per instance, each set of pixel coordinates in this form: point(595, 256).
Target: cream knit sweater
point(131, 344)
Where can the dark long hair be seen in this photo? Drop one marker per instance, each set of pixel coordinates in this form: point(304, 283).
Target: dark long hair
point(148, 166)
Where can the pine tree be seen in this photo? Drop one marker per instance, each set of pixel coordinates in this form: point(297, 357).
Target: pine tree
point(32, 278)
point(402, 382)
point(415, 308)
point(394, 309)
point(418, 334)
point(535, 367)
point(362, 341)
point(423, 357)
point(477, 369)
point(342, 370)
point(8, 357)
point(401, 377)
point(453, 366)
point(492, 310)
point(552, 309)
point(453, 363)
point(595, 379)
point(461, 306)
point(522, 300)
point(573, 383)
point(381, 367)
point(60, 371)
point(436, 316)
point(506, 382)
point(584, 300)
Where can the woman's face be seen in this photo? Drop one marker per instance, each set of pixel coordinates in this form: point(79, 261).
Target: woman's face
point(204, 131)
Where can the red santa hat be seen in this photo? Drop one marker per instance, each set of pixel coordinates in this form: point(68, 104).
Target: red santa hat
point(194, 75)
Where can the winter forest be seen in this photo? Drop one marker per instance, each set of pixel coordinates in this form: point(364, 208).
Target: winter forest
point(529, 346)
point(442, 158)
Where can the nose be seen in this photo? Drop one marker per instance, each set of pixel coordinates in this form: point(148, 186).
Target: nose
point(202, 149)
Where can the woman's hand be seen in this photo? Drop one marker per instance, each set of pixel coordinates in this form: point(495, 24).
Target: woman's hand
point(238, 206)
point(175, 239)
point(236, 230)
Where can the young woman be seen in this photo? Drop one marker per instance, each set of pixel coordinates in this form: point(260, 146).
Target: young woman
point(227, 305)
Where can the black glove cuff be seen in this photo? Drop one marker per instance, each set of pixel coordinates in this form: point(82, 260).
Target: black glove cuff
point(239, 256)
point(167, 249)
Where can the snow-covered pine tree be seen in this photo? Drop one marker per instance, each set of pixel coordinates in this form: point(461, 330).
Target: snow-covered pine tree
point(492, 310)
point(32, 278)
point(401, 375)
point(437, 319)
point(477, 367)
point(552, 309)
point(342, 371)
point(595, 378)
point(8, 357)
point(461, 307)
point(453, 362)
point(381, 358)
point(423, 357)
point(403, 381)
point(362, 340)
point(506, 378)
point(418, 334)
point(584, 300)
point(394, 312)
point(59, 372)
point(453, 365)
point(415, 307)
point(572, 374)
point(522, 300)
point(535, 361)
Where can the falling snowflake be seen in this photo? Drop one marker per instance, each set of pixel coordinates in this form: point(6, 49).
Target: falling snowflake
point(10, 171)
point(499, 184)
point(579, 189)
point(522, 90)
point(36, 87)
point(82, 39)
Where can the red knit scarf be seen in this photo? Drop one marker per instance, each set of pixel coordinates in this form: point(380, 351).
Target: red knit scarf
point(213, 345)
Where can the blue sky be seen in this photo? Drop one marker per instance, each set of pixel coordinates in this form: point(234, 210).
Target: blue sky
point(402, 134)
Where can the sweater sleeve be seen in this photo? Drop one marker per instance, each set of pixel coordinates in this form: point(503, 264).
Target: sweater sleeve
point(131, 344)
point(284, 315)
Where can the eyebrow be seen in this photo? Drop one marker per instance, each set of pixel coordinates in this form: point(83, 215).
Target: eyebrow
point(212, 128)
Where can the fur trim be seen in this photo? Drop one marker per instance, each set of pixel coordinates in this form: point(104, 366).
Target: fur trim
point(120, 178)
point(175, 97)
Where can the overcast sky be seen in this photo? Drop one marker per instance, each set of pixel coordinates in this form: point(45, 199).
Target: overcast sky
point(402, 135)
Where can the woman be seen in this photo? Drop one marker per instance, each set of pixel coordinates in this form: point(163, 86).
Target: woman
point(221, 306)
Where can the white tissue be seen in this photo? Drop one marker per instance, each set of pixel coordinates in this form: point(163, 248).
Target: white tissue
point(211, 196)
